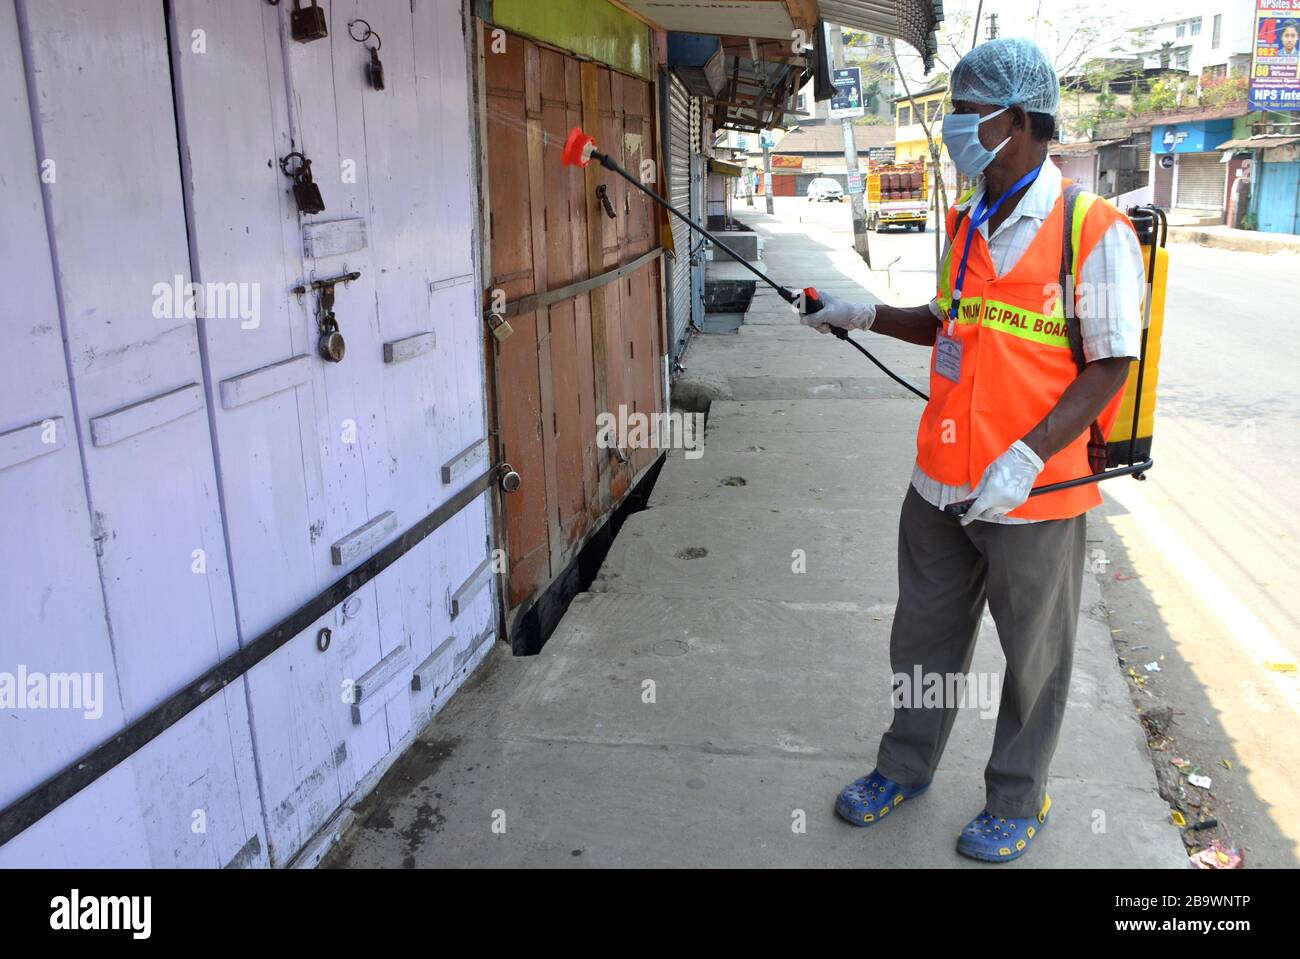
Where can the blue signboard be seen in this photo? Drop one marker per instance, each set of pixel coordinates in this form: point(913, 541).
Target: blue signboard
point(1203, 136)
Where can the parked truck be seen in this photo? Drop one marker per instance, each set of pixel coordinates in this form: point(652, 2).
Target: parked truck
point(898, 195)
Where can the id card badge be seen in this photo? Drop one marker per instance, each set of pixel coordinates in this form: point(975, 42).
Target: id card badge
point(947, 357)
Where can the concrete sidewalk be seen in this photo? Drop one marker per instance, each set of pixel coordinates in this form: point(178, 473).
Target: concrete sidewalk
point(1225, 238)
point(770, 687)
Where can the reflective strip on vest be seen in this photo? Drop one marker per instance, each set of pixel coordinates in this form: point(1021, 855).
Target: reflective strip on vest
point(1048, 330)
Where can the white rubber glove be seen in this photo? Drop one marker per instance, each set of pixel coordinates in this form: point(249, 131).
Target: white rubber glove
point(1005, 484)
point(841, 313)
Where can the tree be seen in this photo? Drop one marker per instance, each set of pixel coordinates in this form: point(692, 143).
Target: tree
point(1070, 33)
point(1166, 92)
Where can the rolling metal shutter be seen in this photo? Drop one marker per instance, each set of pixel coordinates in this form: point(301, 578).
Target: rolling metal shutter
point(677, 135)
point(1201, 180)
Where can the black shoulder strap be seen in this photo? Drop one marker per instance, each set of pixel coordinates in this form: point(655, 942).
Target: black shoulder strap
point(1068, 280)
point(1098, 449)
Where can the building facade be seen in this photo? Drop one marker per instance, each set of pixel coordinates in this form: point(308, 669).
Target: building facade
point(1212, 38)
point(910, 142)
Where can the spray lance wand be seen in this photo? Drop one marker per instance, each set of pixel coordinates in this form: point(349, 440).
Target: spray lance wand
point(580, 150)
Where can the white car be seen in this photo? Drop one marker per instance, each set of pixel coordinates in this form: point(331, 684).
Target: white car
point(824, 188)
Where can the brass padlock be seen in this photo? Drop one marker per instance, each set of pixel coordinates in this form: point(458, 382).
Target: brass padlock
point(499, 327)
point(307, 23)
point(330, 344)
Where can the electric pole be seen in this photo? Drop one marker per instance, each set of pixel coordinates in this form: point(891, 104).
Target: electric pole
point(767, 177)
point(993, 26)
point(851, 162)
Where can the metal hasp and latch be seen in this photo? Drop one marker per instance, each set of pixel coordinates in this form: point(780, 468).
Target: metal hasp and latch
point(374, 69)
point(330, 345)
point(602, 195)
point(305, 191)
point(307, 23)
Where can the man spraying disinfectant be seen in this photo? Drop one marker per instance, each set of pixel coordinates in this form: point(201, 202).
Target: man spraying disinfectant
point(1018, 398)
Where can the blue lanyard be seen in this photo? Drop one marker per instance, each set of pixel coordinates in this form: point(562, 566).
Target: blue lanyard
point(981, 216)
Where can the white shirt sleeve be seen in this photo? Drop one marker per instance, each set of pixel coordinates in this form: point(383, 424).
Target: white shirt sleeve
point(1110, 293)
point(938, 311)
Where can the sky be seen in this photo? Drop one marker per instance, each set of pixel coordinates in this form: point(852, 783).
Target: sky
point(1054, 23)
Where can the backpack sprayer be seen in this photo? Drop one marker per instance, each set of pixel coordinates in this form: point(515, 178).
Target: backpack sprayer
point(1126, 455)
point(1128, 444)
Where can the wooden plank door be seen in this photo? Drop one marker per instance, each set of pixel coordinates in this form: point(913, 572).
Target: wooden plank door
point(102, 113)
point(332, 447)
point(577, 357)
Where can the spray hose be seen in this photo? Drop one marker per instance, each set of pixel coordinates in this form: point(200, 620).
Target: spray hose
point(580, 150)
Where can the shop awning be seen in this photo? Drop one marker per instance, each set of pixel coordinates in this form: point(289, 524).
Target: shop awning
point(1259, 143)
point(912, 21)
point(1082, 147)
point(724, 168)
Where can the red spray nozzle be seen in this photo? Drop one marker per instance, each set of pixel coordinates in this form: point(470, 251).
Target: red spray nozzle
point(578, 148)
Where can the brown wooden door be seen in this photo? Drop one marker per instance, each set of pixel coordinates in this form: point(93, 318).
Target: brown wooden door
point(580, 355)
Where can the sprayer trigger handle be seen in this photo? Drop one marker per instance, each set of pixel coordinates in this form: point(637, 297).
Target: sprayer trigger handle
point(812, 301)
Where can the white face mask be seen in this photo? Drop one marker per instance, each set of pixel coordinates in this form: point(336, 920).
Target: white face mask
point(961, 135)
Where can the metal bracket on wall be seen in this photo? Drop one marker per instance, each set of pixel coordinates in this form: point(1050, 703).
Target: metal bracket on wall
point(120, 746)
point(330, 344)
point(602, 194)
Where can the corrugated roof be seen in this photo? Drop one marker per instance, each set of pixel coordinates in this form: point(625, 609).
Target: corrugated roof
point(1083, 146)
point(912, 21)
point(829, 138)
point(928, 91)
point(1258, 143)
point(1229, 111)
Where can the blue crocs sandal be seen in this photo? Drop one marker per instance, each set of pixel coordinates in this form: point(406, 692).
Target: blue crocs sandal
point(869, 799)
point(992, 839)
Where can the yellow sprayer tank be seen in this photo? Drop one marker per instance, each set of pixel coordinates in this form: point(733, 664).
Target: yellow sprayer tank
point(1123, 446)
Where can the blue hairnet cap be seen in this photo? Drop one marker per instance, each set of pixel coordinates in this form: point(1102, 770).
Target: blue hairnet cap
point(1006, 72)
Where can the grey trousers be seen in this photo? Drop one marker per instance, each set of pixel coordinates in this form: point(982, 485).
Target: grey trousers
point(1031, 576)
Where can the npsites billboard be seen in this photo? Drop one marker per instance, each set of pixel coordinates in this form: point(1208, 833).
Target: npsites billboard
point(1275, 65)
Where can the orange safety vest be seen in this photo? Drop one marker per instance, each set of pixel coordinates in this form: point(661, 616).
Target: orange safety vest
point(1016, 360)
